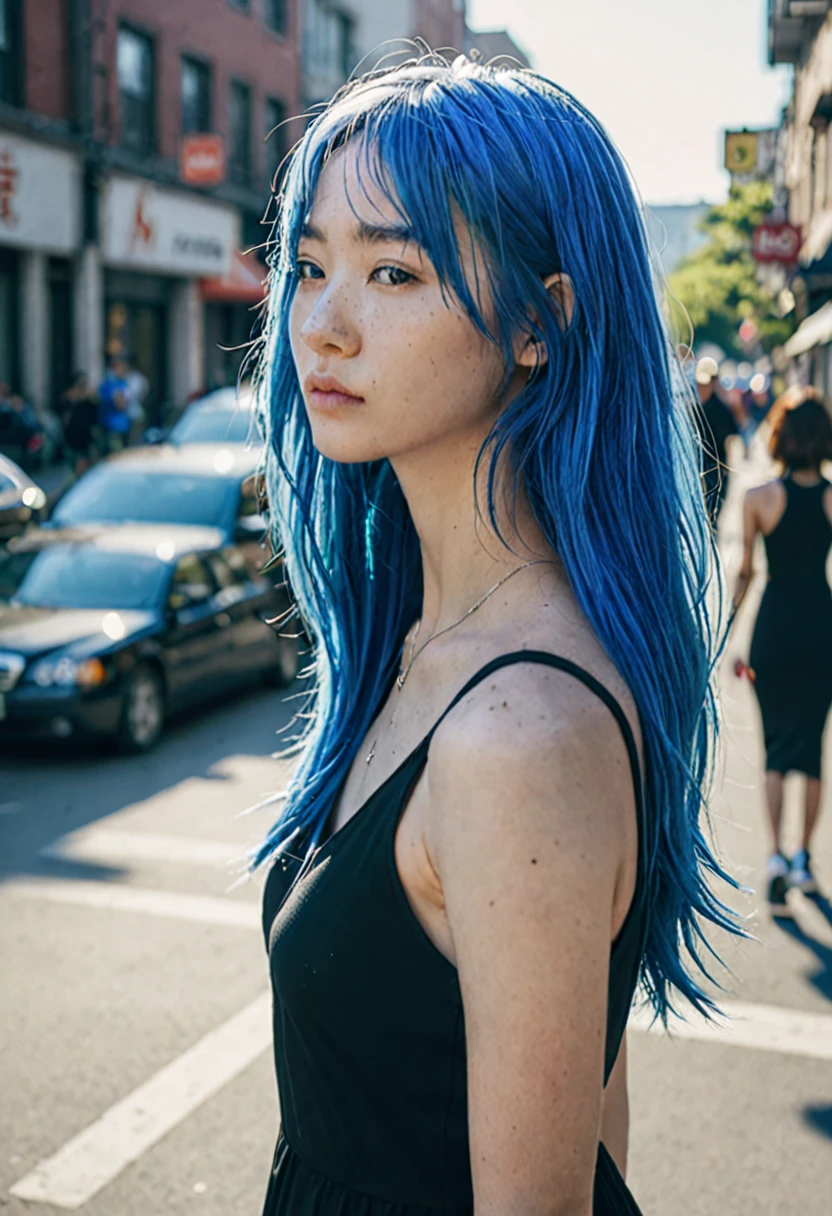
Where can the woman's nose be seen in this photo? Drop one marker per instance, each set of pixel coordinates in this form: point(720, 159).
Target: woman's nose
point(329, 328)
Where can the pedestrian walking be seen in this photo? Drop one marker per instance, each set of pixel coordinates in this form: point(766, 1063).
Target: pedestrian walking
point(716, 425)
point(493, 830)
point(78, 409)
point(115, 405)
point(791, 649)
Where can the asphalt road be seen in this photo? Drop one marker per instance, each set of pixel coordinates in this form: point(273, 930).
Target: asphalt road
point(134, 1056)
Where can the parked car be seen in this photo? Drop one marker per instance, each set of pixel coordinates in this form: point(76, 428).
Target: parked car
point(22, 502)
point(106, 631)
point(223, 417)
point(25, 437)
point(198, 484)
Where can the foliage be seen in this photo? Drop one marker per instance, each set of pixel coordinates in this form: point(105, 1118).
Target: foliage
point(718, 284)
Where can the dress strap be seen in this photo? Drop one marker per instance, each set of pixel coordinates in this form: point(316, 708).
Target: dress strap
point(546, 659)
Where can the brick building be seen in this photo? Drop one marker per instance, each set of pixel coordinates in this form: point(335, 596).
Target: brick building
point(107, 245)
point(338, 35)
point(134, 168)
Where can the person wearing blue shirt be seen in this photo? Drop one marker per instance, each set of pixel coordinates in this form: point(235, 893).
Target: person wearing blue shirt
point(114, 397)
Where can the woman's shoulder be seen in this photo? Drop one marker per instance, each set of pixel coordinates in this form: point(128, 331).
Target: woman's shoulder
point(533, 731)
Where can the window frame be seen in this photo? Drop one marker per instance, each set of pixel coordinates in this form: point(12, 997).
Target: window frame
point(149, 148)
point(274, 136)
point(13, 57)
point(239, 170)
point(187, 60)
point(281, 29)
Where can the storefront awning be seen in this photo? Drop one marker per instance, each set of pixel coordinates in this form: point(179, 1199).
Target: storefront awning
point(243, 284)
point(816, 330)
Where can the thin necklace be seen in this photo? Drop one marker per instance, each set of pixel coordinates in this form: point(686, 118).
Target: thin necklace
point(404, 671)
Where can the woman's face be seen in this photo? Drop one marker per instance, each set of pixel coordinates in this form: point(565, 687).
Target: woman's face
point(387, 367)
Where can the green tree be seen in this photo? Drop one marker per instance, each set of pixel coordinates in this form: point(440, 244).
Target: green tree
point(718, 285)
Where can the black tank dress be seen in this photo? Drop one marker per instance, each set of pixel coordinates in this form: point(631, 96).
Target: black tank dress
point(791, 649)
point(369, 1034)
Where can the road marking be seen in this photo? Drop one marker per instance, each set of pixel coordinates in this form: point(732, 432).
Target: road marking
point(793, 1032)
point(101, 846)
point(199, 909)
point(93, 1158)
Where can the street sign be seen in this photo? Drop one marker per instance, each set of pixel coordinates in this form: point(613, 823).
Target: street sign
point(203, 160)
point(776, 242)
point(741, 149)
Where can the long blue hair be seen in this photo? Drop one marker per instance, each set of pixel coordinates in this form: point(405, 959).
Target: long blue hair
point(602, 437)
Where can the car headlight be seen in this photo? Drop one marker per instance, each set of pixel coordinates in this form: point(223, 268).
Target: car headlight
point(64, 672)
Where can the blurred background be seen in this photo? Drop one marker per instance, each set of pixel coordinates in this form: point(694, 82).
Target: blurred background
point(150, 670)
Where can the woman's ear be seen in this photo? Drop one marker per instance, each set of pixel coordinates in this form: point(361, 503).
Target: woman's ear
point(530, 352)
point(559, 287)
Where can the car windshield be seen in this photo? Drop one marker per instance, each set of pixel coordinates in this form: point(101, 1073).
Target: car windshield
point(79, 576)
point(214, 425)
point(113, 493)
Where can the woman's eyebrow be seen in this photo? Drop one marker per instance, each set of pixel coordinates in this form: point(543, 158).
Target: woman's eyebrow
point(379, 234)
point(367, 234)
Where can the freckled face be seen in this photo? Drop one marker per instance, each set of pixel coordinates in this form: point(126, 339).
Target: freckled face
point(387, 366)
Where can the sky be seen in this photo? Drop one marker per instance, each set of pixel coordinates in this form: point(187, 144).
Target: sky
point(665, 77)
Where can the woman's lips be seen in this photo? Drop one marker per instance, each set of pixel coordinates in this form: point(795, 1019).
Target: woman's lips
point(331, 399)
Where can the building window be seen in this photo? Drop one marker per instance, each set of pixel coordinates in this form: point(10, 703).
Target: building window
point(196, 96)
point(328, 41)
point(242, 5)
point(239, 132)
point(11, 52)
point(345, 27)
point(135, 91)
point(275, 14)
point(275, 136)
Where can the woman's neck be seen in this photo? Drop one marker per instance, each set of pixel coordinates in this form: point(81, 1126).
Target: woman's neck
point(806, 477)
point(462, 554)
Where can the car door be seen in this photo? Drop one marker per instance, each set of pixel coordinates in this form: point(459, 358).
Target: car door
point(197, 642)
point(246, 599)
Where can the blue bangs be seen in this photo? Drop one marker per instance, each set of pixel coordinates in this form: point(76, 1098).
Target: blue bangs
point(602, 437)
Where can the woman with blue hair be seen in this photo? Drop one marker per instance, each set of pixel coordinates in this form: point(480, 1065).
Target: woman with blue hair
point(484, 477)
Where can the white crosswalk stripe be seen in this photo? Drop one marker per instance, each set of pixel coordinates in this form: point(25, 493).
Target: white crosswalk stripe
point(793, 1032)
point(93, 1158)
point(109, 846)
point(112, 897)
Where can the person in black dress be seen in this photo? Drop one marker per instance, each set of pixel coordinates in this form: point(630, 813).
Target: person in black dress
point(490, 515)
point(791, 648)
point(78, 411)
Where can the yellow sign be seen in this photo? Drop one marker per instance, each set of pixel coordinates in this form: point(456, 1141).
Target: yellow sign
point(741, 151)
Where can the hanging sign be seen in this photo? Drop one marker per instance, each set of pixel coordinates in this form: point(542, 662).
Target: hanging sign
point(776, 242)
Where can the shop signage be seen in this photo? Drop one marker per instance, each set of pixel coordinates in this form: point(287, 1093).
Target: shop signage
point(203, 160)
point(147, 227)
point(40, 196)
point(776, 242)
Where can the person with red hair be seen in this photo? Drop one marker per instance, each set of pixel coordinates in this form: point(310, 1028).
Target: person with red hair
point(791, 648)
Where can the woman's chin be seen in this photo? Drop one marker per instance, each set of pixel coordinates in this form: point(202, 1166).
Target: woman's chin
point(342, 448)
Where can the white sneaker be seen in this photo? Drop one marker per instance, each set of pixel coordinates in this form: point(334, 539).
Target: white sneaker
point(800, 874)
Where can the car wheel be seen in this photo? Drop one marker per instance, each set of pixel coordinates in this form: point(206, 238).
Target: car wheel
point(142, 710)
point(287, 663)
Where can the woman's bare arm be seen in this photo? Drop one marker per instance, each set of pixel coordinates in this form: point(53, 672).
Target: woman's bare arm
point(749, 533)
point(531, 794)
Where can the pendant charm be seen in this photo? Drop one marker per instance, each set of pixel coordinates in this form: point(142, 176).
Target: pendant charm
point(371, 752)
point(400, 680)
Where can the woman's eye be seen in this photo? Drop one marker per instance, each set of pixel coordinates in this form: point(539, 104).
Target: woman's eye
point(392, 276)
point(307, 270)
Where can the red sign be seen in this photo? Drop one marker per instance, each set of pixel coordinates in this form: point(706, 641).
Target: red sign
point(8, 188)
point(203, 160)
point(776, 243)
